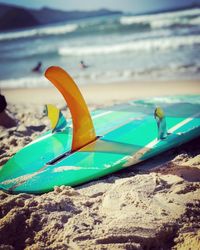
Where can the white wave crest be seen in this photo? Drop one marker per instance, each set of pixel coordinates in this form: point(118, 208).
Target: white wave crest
point(29, 82)
point(195, 21)
point(105, 76)
point(142, 45)
point(53, 30)
point(164, 23)
point(161, 20)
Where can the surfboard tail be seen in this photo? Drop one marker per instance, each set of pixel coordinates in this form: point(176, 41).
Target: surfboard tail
point(83, 128)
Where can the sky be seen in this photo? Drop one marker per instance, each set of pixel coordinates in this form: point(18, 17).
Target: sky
point(135, 6)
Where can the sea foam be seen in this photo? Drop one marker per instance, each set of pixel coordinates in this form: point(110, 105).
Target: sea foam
point(141, 45)
point(181, 18)
point(44, 31)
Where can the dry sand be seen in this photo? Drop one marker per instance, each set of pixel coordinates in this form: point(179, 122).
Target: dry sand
point(154, 205)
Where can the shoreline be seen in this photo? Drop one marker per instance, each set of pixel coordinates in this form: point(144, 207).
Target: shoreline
point(104, 94)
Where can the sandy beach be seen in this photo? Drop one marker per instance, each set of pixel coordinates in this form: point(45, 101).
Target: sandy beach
point(105, 93)
point(153, 205)
point(135, 53)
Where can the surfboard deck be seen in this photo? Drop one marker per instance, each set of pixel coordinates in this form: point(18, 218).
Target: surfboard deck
point(126, 135)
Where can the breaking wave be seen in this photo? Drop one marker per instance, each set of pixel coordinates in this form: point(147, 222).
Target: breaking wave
point(37, 32)
point(178, 18)
point(110, 75)
point(27, 82)
point(123, 24)
point(141, 45)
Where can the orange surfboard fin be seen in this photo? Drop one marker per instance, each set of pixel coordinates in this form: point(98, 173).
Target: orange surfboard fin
point(83, 128)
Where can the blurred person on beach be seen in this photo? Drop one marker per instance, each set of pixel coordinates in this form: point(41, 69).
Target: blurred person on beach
point(83, 65)
point(37, 68)
point(5, 120)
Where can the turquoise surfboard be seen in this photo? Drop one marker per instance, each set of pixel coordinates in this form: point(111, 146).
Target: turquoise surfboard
point(124, 135)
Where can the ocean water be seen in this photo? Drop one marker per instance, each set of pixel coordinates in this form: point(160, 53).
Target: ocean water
point(115, 48)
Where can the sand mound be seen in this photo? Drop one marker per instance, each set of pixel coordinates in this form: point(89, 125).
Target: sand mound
point(139, 212)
